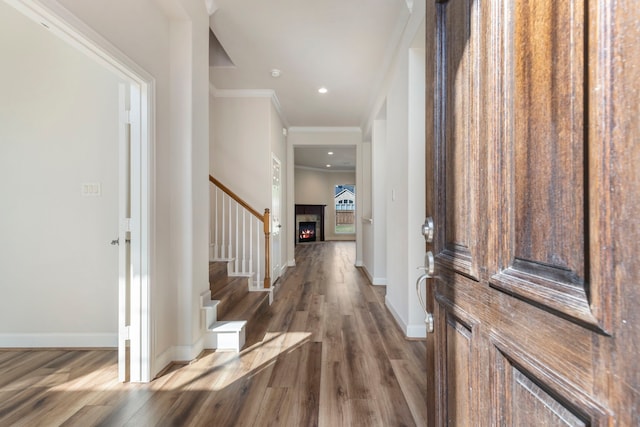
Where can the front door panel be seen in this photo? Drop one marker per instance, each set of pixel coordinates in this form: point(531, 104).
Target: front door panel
point(519, 183)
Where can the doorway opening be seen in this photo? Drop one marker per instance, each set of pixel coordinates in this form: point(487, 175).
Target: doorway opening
point(134, 226)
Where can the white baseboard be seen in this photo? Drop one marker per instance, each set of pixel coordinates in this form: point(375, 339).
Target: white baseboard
point(378, 281)
point(396, 316)
point(162, 361)
point(291, 263)
point(185, 353)
point(59, 340)
point(359, 263)
point(410, 330)
point(416, 331)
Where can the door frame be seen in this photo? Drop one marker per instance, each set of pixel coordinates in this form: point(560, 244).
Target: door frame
point(276, 268)
point(69, 28)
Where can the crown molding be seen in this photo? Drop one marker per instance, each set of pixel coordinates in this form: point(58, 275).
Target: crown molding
point(325, 129)
point(325, 170)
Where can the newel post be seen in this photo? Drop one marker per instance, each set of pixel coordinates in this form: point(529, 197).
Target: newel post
point(267, 248)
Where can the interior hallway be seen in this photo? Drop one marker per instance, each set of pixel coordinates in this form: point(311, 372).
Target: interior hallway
point(329, 354)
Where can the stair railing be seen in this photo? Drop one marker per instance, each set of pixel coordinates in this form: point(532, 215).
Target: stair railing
point(235, 233)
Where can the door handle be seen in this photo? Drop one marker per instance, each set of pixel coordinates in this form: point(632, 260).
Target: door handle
point(429, 270)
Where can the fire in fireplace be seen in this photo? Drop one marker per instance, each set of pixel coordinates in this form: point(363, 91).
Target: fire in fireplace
point(307, 232)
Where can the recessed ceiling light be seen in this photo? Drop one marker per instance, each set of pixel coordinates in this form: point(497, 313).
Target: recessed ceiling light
point(323, 90)
point(275, 73)
point(328, 166)
point(330, 153)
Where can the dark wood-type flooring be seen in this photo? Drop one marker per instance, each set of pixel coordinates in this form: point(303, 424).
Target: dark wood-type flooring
point(328, 353)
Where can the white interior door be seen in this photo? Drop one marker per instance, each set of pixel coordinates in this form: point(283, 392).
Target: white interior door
point(276, 224)
point(124, 212)
point(133, 337)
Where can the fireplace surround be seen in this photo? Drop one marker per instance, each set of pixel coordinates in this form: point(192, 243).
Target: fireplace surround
point(310, 214)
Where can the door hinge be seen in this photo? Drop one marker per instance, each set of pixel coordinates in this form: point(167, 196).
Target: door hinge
point(125, 332)
point(127, 117)
point(127, 225)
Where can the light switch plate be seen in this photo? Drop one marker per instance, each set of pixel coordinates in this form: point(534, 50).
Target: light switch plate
point(91, 189)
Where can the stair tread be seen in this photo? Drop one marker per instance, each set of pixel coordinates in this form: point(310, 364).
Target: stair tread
point(227, 286)
point(250, 305)
point(237, 308)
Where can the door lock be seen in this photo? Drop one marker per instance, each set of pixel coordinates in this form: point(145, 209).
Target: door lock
point(427, 229)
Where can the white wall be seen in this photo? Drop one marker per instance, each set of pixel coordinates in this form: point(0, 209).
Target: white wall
point(416, 182)
point(169, 40)
point(397, 196)
point(241, 147)
point(246, 129)
point(315, 187)
point(379, 168)
point(59, 273)
point(366, 209)
point(398, 182)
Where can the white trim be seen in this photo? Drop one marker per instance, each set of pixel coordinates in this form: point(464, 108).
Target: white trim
point(164, 360)
point(327, 170)
point(416, 331)
point(411, 330)
point(187, 353)
point(321, 129)
point(396, 316)
point(59, 340)
point(291, 263)
point(376, 281)
point(69, 28)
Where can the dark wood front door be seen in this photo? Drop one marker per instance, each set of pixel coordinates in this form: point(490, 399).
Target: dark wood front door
point(532, 150)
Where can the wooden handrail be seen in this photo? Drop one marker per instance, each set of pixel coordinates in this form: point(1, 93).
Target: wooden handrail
point(266, 221)
point(237, 198)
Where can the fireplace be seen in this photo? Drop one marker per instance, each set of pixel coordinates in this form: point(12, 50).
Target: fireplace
point(307, 232)
point(309, 223)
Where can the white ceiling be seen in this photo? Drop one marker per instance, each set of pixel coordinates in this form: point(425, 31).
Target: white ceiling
point(343, 45)
point(342, 159)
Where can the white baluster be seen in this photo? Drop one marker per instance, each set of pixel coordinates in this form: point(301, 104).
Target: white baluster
point(223, 228)
point(244, 241)
point(215, 229)
point(237, 242)
point(258, 233)
point(251, 245)
point(229, 249)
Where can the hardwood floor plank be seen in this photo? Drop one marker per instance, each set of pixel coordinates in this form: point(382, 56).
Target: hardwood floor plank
point(366, 412)
point(334, 395)
point(327, 353)
point(316, 319)
point(414, 394)
point(307, 388)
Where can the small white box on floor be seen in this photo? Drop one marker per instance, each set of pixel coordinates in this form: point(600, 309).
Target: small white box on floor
point(229, 335)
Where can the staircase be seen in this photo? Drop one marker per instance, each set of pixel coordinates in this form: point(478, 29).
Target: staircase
point(232, 306)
